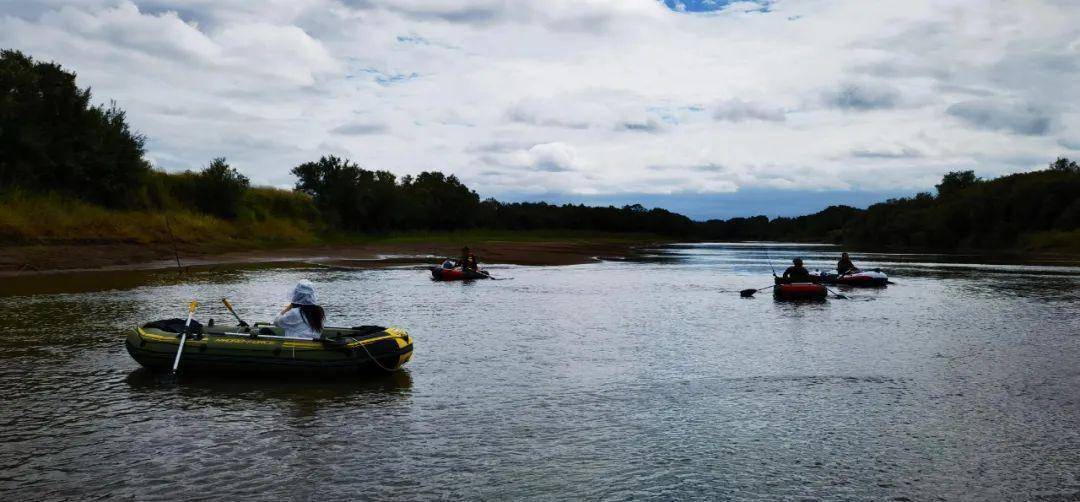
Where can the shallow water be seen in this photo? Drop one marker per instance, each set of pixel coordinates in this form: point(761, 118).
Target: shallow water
point(644, 379)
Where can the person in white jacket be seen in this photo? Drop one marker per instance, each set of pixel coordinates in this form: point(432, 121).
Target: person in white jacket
point(302, 317)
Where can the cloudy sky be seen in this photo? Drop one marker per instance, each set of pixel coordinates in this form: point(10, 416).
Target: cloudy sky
point(709, 107)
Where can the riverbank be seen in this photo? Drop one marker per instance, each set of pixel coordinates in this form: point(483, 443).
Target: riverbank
point(519, 248)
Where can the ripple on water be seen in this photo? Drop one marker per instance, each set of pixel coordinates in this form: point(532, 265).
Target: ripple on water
point(629, 380)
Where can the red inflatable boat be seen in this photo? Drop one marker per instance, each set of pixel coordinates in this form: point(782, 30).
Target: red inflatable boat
point(456, 274)
point(800, 291)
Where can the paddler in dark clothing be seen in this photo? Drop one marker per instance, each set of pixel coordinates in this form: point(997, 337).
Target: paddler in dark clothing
point(464, 258)
point(468, 260)
point(844, 266)
point(796, 272)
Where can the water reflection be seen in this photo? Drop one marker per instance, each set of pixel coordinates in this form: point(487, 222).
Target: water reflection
point(652, 376)
point(300, 397)
point(396, 383)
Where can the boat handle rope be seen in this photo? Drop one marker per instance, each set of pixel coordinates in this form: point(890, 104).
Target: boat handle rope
point(376, 361)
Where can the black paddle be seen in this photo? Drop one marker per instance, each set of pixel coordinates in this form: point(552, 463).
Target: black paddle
point(747, 293)
point(836, 295)
point(487, 274)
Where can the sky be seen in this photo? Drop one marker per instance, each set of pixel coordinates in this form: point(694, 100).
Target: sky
point(708, 107)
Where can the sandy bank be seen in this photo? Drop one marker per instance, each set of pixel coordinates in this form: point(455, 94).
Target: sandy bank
point(54, 258)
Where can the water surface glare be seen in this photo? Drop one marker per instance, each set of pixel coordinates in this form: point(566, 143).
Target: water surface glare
point(644, 379)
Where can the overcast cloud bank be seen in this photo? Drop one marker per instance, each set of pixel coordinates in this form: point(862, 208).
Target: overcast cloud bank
point(583, 98)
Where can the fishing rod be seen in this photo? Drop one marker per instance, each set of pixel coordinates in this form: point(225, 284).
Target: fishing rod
point(172, 240)
point(769, 259)
point(747, 293)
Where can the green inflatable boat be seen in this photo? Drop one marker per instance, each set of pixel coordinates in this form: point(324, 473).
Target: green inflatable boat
point(263, 349)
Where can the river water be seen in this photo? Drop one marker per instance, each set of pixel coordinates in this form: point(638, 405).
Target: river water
point(641, 379)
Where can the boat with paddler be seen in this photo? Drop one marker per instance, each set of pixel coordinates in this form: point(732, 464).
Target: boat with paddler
point(263, 348)
point(457, 274)
point(785, 290)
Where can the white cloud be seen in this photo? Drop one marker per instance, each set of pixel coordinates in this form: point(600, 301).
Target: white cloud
point(737, 110)
point(552, 157)
point(581, 96)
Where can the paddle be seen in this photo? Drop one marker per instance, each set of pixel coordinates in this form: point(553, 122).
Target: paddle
point(836, 295)
point(238, 319)
point(747, 293)
point(183, 336)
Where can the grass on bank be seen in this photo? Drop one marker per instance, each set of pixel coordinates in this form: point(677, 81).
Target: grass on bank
point(45, 219)
point(1054, 241)
point(52, 219)
point(486, 235)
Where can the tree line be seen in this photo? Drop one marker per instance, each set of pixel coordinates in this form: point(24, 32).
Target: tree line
point(54, 140)
point(966, 212)
point(356, 199)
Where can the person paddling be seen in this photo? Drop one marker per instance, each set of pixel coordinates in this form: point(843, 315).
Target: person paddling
point(845, 266)
point(796, 273)
point(464, 258)
point(302, 317)
point(468, 260)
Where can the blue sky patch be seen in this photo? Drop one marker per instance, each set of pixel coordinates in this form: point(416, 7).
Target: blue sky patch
point(708, 5)
point(412, 39)
point(384, 79)
point(746, 202)
point(398, 78)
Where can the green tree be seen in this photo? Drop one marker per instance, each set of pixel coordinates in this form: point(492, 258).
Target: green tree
point(350, 197)
point(955, 181)
point(52, 139)
point(439, 202)
point(1065, 165)
point(219, 189)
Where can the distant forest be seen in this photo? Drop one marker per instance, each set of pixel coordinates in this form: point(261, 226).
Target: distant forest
point(54, 140)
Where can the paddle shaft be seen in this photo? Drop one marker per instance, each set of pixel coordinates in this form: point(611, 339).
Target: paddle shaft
point(837, 295)
point(751, 292)
point(183, 336)
point(233, 312)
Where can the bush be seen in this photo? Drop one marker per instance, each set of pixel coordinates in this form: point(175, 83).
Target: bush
point(349, 197)
point(53, 140)
point(219, 188)
point(263, 203)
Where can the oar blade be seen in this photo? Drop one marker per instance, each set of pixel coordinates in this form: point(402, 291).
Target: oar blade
point(747, 293)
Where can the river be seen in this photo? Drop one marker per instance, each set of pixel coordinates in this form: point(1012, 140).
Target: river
point(645, 379)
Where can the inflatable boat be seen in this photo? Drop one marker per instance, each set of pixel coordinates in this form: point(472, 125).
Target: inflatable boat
point(264, 349)
point(456, 274)
point(800, 291)
point(869, 278)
